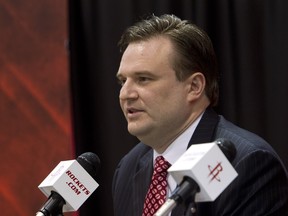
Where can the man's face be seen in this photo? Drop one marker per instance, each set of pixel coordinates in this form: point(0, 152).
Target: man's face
point(153, 101)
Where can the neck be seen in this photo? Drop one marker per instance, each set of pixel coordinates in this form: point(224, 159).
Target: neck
point(162, 147)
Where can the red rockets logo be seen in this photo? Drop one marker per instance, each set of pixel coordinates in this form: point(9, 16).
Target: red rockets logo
point(214, 172)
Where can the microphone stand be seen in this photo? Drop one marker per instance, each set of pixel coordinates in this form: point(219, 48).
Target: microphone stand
point(53, 207)
point(183, 194)
point(190, 205)
point(187, 192)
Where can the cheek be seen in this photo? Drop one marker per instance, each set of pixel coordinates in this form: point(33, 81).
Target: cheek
point(173, 96)
point(121, 104)
point(167, 102)
point(163, 96)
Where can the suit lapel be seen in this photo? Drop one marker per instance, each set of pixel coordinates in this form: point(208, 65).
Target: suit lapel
point(141, 181)
point(204, 132)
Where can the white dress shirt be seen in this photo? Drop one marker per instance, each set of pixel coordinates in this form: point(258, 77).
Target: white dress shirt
point(176, 149)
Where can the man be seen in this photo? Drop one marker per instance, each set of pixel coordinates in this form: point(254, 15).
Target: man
point(169, 79)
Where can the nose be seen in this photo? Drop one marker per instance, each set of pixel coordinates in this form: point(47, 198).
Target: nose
point(128, 91)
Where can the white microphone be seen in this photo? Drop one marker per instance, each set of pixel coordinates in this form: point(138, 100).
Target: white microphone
point(69, 184)
point(202, 173)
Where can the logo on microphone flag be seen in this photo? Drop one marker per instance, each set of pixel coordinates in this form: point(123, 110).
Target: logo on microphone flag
point(208, 166)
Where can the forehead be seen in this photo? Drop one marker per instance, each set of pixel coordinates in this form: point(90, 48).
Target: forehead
point(147, 55)
point(154, 45)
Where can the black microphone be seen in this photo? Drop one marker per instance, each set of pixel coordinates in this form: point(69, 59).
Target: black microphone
point(69, 184)
point(188, 187)
point(227, 147)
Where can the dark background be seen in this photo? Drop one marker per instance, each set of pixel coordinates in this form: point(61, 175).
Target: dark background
point(251, 41)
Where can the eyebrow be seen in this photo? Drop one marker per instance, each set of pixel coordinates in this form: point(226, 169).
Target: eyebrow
point(138, 73)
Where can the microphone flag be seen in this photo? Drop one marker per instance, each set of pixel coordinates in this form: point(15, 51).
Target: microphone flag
point(208, 166)
point(72, 182)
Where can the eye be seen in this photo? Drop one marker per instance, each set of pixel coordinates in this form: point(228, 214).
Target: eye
point(121, 81)
point(143, 79)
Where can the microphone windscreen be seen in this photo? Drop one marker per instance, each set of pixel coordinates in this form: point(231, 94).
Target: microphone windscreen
point(90, 162)
point(227, 147)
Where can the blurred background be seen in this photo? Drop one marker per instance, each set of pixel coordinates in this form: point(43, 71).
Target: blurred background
point(59, 95)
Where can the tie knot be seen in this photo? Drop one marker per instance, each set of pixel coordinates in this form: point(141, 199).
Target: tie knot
point(161, 165)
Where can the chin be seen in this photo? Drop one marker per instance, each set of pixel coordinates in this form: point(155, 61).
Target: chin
point(137, 132)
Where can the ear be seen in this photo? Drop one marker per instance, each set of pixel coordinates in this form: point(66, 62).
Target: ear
point(196, 85)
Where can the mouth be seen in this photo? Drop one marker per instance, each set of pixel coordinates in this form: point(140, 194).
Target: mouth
point(131, 112)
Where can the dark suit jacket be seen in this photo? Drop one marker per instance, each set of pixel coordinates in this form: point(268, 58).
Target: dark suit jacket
point(261, 187)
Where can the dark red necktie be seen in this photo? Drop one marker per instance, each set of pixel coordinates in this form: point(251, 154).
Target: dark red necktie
point(156, 195)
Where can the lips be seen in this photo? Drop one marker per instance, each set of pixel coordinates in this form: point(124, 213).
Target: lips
point(133, 112)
